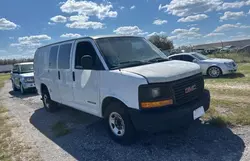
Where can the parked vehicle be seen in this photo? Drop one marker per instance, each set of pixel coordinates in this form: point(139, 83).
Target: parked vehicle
point(213, 67)
point(124, 79)
point(22, 77)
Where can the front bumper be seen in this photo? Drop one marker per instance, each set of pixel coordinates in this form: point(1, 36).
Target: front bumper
point(27, 86)
point(229, 70)
point(169, 117)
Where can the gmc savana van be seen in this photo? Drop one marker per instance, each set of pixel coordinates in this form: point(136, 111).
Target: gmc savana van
point(124, 79)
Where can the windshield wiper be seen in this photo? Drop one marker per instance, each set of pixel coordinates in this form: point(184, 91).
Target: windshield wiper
point(133, 62)
point(158, 60)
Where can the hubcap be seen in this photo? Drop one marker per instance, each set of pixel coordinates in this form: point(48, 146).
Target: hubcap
point(116, 124)
point(45, 100)
point(214, 72)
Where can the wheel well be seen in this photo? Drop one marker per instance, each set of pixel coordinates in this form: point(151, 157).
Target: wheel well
point(43, 88)
point(214, 66)
point(107, 101)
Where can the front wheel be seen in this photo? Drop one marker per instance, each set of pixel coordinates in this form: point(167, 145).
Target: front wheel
point(119, 124)
point(214, 72)
point(22, 90)
point(14, 87)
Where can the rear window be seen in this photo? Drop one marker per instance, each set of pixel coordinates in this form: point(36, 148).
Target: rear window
point(53, 57)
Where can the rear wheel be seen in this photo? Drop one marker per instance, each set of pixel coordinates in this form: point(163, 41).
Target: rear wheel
point(49, 105)
point(214, 72)
point(119, 124)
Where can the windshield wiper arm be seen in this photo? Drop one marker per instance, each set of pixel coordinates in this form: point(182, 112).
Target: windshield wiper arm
point(133, 62)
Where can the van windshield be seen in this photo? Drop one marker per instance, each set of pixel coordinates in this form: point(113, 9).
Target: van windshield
point(26, 68)
point(121, 52)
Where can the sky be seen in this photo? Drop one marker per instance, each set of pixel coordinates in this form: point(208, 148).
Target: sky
point(25, 25)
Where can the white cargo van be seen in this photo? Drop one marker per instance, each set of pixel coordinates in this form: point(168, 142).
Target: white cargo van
point(125, 80)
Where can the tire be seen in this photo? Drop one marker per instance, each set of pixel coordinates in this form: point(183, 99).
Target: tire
point(14, 87)
point(119, 124)
point(214, 72)
point(22, 90)
point(49, 105)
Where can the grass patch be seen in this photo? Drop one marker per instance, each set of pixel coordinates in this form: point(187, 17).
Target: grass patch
point(3, 77)
point(237, 57)
point(229, 104)
point(60, 129)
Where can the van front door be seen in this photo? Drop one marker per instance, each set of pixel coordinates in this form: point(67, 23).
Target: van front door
point(86, 83)
point(65, 80)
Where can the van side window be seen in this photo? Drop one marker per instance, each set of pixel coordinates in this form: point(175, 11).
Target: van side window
point(64, 56)
point(86, 48)
point(53, 57)
point(15, 69)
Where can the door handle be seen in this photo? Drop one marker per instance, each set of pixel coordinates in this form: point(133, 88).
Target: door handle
point(59, 76)
point(73, 76)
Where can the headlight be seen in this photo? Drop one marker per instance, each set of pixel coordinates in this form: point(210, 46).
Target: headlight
point(151, 96)
point(28, 80)
point(229, 64)
point(155, 92)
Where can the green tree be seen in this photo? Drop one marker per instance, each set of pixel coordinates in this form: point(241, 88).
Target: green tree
point(161, 41)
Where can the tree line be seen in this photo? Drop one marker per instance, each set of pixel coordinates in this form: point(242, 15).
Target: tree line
point(14, 61)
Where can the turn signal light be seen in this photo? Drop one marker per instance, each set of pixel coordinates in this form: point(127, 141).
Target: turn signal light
point(156, 104)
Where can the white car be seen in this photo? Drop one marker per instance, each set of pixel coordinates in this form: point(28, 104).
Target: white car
point(124, 79)
point(22, 77)
point(213, 67)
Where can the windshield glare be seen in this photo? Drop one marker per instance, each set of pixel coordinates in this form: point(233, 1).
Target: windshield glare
point(200, 56)
point(26, 68)
point(127, 50)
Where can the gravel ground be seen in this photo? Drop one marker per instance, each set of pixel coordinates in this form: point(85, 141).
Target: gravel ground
point(88, 139)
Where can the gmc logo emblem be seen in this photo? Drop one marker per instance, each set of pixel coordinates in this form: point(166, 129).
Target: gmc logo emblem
point(190, 89)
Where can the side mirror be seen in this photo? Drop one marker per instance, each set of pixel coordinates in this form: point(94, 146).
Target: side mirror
point(195, 61)
point(86, 62)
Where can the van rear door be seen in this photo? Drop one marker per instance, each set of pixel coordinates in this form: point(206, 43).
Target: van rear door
point(53, 75)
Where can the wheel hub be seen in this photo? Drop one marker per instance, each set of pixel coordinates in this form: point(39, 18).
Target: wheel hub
point(116, 124)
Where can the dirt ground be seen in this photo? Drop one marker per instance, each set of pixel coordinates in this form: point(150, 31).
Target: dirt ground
point(88, 140)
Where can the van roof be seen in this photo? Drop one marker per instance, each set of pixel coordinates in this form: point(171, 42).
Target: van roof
point(90, 37)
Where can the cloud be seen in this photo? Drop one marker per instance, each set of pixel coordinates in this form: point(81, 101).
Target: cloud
point(132, 7)
point(193, 18)
point(186, 33)
point(89, 8)
point(232, 5)
point(249, 12)
point(70, 35)
point(129, 30)
point(7, 25)
point(232, 15)
point(83, 18)
point(227, 27)
point(157, 33)
point(85, 25)
point(214, 34)
point(58, 19)
point(121, 7)
point(51, 23)
point(186, 7)
point(30, 42)
point(160, 22)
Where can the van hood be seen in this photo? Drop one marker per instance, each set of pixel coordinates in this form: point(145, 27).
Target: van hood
point(165, 71)
point(27, 74)
point(217, 60)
